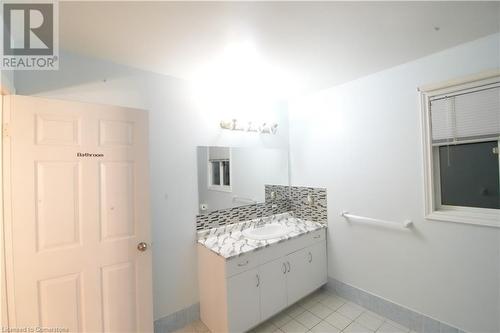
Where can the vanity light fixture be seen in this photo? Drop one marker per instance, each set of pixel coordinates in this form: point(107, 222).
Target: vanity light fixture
point(235, 125)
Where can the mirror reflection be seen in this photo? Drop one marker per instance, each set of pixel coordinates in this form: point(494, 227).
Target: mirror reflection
point(235, 176)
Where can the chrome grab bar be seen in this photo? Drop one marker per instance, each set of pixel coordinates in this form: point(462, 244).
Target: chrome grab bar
point(237, 199)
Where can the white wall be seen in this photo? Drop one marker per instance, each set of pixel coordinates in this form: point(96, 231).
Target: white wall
point(7, 81)
point(176, 128)
point(251, 169)
point(362, 140)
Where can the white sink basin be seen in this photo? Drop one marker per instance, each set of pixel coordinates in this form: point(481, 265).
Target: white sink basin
point(268, 231)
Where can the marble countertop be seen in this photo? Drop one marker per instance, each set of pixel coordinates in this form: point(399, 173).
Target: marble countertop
point(229, 241)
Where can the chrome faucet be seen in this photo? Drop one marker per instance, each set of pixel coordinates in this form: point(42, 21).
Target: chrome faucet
point(260, 223)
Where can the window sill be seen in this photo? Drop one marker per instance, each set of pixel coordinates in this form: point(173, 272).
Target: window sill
point(220, 188)
point(486, 217)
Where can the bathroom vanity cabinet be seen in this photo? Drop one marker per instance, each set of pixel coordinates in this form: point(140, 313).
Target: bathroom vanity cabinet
point(237, 294)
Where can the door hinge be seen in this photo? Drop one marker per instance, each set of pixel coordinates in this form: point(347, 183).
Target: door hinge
point(6, 130)
point(495, 150)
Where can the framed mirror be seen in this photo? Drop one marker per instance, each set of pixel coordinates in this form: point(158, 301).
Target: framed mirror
point(236, 176)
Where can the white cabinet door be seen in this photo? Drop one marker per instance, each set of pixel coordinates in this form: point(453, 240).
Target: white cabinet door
point(243, 301)
point(273, 292)
point(307, 271)
point(297, 275)
point(317, 265)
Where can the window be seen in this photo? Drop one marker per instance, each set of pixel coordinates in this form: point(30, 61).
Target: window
point(469, 175)
point(219, 169)
point(220, 175)
point(216, 174)
point(461, 126)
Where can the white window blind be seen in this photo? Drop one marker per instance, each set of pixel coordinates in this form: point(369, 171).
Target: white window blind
point(466, 116)
point(218, 153)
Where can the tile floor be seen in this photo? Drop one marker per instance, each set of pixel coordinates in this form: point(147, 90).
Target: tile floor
point(321, 312)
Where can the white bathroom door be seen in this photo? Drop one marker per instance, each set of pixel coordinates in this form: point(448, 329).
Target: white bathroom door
point(77, 206)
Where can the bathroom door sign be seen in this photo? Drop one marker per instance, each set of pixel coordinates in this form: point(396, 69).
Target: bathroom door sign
point(89, 155)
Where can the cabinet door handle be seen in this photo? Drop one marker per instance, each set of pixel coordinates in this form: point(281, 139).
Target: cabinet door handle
point(316, 237)
point(284, 268)
point(258, 280)
point(241, 264)
point(289, 266)
point(310, 257)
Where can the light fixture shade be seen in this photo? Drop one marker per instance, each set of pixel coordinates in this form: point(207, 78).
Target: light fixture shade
point(235, 125)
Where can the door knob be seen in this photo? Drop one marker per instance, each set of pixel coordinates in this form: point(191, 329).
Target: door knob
point(142, 246)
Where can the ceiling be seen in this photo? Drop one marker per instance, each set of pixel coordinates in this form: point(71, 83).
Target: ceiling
point(319, 44)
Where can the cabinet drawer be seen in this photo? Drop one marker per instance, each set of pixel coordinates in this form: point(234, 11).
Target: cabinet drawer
point(253, 259)
point(243, 263)
point(304, 241)
point(317, 236)
point(282, 249)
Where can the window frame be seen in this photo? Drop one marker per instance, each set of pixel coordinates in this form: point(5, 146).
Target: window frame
point(222, 187)
point(434, 210)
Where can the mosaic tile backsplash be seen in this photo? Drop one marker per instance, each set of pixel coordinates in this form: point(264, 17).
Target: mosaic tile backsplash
point(315, 211)
point(287, 199)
